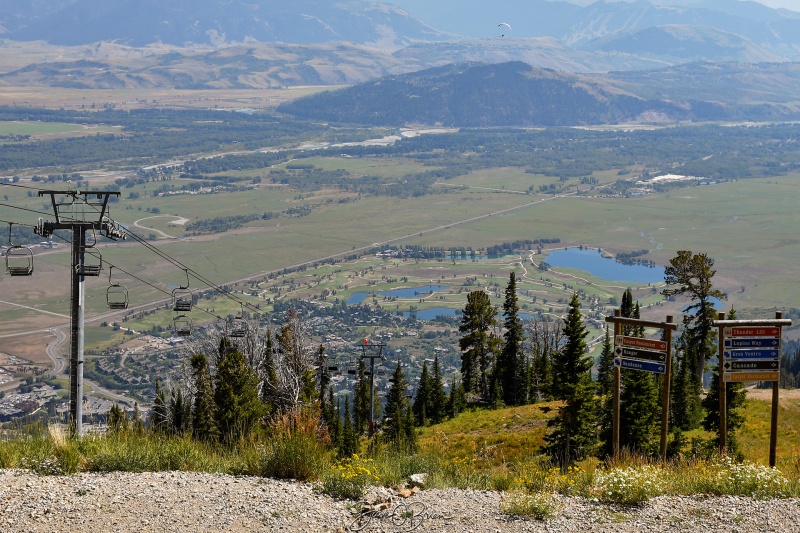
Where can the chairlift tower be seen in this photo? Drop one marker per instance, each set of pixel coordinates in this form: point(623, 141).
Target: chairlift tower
point(81, 212)
point(377, 353)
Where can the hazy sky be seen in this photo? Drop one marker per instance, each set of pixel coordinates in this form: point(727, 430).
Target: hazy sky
point(794, 5)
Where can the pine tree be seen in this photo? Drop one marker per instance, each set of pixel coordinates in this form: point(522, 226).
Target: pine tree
point(203, 427)
point(573, 430)
point(605, 391)
point(177, 411)
point(361, 410)
point(693, 274)
point(457, 400)
point(269, 376)
point(605, 368)
point(735, 397)
point(237, 405)
point(330, 416)
point(117, 419)
point(638, 401)
point(159, 414)
point(510, 367)
point(438, 399)
point(478, 318)
point(349, 441)
point(398, 426)
point(422, 400)
point(138, 425)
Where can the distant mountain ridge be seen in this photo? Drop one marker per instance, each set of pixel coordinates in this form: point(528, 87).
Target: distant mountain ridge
point(179, 22)
point(512, 94)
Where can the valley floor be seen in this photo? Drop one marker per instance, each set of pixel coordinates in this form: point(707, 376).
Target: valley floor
point(194, 502)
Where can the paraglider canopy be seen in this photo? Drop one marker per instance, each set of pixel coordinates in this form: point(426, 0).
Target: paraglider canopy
point(506, 25)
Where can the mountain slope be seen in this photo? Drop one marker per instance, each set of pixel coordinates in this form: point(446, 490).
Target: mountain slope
point(141, 22)
point(474, 95)
point(685, 42)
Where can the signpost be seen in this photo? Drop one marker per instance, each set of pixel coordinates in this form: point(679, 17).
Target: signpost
point(749, 350)
point(648, 355)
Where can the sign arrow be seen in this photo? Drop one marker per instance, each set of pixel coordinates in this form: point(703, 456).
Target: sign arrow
point(751, 364)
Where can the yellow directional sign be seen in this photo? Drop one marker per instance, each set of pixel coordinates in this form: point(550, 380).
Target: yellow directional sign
point(750, 376)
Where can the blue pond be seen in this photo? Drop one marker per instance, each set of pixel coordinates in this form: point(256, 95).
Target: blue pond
point(602, 267)
point(358, 297)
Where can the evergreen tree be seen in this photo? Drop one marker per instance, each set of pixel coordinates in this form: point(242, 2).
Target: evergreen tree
point(638, 401)
point(117, 419)
point(398, 426)
point(735, 396)
point(457, 401)
point(178, 412)
point(269, 376)
point(159, 414)
point(422, 400)
point(349, 441)
point(573, 430)
point(330, 416)
point(138, 425)
point(605, 368)
point(510, 365)
point(438, 399)
point(203, 426)
point(478, 318)
point(692, 274)
point(361, 411)
point(237, 405)
point(605, 392)
point(324, 375)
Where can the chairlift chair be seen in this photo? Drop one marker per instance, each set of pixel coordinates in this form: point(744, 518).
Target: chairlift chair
point(91, 267)
point(116, 294)
point(236, 327)
point(182, 297)
point(182, 325)
point(19, 259)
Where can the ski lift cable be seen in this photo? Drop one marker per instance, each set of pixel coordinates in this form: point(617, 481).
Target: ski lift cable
point(182, 266)
point(137, 278)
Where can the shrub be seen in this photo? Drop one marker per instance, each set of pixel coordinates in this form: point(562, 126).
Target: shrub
point(539, 505)
point(297, 447)
point(350, 478)
point(630, 485)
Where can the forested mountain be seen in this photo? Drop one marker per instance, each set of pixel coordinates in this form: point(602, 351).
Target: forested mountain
point(507, 94)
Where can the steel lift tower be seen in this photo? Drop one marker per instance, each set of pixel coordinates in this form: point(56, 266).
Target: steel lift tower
point(82, 213)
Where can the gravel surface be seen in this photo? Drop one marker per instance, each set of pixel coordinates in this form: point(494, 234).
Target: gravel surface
point(191, 502)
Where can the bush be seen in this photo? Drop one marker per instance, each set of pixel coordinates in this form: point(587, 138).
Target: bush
point(539, 505)
point(297, 448)
point(630, 485)
point(350, 478)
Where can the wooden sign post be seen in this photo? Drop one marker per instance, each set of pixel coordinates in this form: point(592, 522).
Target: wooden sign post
point(749, 350)
point(648, 355)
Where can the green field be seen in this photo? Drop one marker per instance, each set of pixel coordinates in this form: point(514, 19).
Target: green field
point(747, 226)
point(35, 128)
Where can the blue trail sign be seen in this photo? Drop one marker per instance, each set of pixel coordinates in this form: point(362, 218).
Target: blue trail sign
point(636, 364)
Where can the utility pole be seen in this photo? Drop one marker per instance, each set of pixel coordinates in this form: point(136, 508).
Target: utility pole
point(372, 357)
point(80, 212)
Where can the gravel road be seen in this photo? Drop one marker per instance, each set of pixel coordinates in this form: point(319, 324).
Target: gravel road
point(194, 502)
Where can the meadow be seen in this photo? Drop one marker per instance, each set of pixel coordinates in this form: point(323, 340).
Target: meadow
point(747, 226)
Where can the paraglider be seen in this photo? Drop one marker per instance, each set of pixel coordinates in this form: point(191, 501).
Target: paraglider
point(506, 25)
